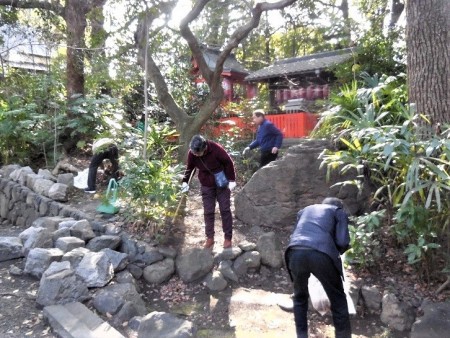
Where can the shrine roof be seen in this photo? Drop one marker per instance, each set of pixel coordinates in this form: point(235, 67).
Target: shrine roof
point(303, 64)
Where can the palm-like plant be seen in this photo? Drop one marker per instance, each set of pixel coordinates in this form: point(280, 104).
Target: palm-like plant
point(411, 175)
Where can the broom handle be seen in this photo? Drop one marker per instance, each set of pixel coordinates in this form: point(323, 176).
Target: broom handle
point(181, 199)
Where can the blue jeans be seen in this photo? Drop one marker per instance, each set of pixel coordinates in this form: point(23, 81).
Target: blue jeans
point(303, 263)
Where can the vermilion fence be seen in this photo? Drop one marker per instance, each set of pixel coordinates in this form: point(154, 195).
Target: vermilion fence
point(292, 125)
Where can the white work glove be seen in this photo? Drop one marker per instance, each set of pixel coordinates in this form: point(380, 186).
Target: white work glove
point(231, 185)
point(245, 150)
point(184, 187)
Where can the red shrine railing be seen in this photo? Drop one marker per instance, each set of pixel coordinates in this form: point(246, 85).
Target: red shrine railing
point(292, 125)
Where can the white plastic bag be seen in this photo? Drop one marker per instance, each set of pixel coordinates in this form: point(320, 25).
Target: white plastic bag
point(319, 298)
point(80, 181)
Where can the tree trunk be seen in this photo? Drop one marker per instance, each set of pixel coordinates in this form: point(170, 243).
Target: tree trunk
point(97, 55)
point(428, 56)
point(346, 18)
point(75, 16)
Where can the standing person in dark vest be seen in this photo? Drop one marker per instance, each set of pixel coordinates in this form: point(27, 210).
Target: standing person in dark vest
point(268, 138)
point(320, 236)
point(209, 158)
point(104, 148)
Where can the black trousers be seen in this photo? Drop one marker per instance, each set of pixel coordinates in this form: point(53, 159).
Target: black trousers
point(267, 157)
point(209, 197)
point(303, 263)
point(112, 154)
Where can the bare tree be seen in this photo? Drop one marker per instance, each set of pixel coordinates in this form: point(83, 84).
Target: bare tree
point(428, 53)
point(188, 125)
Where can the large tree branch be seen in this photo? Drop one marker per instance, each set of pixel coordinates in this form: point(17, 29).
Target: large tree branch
point(242, 32)
point(192, 41)
point(53, 6)
point(213, 78)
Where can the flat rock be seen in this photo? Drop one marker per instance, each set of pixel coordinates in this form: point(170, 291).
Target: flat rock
point(74, 320)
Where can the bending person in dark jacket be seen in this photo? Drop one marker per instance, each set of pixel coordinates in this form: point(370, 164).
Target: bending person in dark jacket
point(320, 236)
point(210, 158)
point(268, 138)
point(104, 148)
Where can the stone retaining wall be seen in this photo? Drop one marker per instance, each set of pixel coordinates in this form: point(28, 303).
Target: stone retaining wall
point(22, 206)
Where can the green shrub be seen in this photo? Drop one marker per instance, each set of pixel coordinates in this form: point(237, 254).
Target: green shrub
point(364, 238)
point(151, 187)
point(33, 114)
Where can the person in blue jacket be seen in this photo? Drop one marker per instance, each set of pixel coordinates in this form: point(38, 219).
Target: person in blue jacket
point(321, 235)
point(268, 138)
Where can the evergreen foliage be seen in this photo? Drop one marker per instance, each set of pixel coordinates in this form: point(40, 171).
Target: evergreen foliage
point(150, 188)
point(376, 133)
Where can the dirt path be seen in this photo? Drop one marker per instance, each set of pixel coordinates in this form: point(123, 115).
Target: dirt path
point(226, 314)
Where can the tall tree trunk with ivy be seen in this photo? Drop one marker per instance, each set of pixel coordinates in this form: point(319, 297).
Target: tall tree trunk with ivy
point(428, 53)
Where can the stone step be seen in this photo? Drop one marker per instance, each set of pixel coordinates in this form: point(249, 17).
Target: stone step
point(75, 320)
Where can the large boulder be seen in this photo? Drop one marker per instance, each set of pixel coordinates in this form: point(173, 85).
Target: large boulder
point(160, 271)
point(396, 314)
point(276, 192)
point(435, 321)
point(40, 238)
point(269, 246)
point(83, 230)
point(111, 298)
point(95, 269)
point(20, 174)
point(39, 259)
point(194, 264)
point(103, 242)
point(58, 192)
point(60, 285)
point(50, 223)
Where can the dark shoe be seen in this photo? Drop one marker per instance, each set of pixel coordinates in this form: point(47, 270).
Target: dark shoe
point(89, 191)
point(286, 304)
point(286, 307)
point(227, 244)
point(209, 243)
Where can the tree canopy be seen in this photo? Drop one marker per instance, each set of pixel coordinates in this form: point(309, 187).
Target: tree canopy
point(112, 47)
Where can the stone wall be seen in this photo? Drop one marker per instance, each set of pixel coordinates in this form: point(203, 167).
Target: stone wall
point(22, 206)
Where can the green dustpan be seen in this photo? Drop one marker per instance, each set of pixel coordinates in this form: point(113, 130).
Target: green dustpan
point(108, 205)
